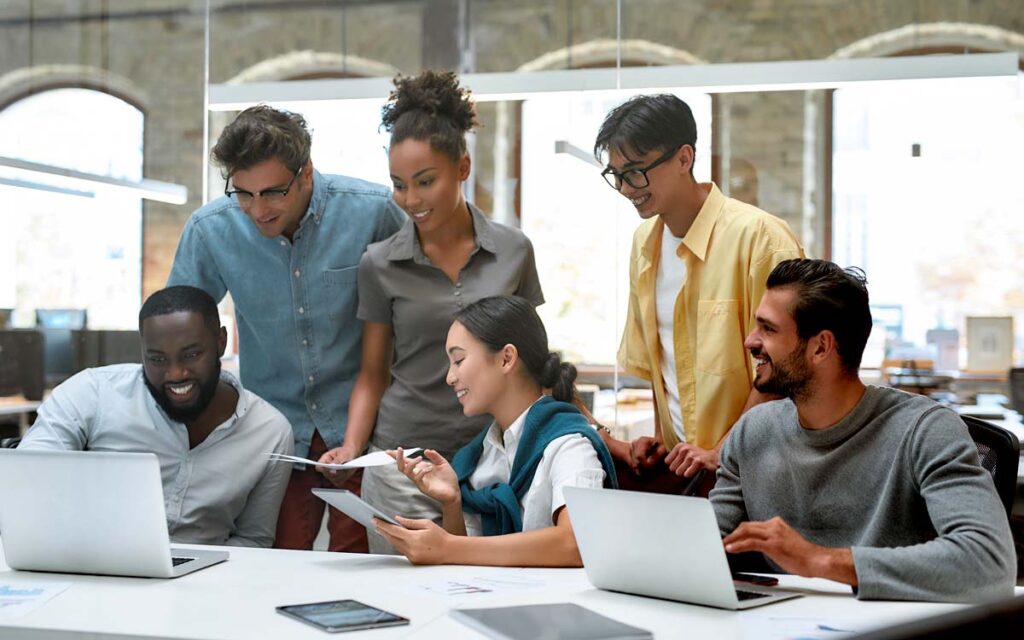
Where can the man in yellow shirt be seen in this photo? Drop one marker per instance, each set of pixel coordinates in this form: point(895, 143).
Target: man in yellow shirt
point(697, 271)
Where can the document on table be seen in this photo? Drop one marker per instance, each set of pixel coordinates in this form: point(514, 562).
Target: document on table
point(473, 585)
point(20, 598)
point(765, 626)
point(375, 459)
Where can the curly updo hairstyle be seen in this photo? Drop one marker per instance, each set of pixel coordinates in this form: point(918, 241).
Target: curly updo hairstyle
point(431, 107)
point(500, 320)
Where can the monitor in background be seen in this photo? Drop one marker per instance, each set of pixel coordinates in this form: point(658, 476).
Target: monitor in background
point(56, 326)
point(99, 348)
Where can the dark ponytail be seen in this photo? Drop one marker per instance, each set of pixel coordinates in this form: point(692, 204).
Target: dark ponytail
point(501, 320)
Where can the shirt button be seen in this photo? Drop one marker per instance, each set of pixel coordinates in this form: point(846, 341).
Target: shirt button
point(457, 292)
point(305, 343)
point(301, 311)
point(313, 406)
point(310, 378)
point(458, 285)
point(284, 243)
point(297, 273)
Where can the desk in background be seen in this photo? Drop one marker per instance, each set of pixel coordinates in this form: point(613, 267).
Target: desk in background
point(236, 599)
point(19, 406)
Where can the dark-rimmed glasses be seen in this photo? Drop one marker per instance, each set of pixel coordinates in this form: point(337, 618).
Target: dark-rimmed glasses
point(636, 178)
point(244, 198)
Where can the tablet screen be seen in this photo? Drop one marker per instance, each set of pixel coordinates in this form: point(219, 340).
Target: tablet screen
point(342, 615)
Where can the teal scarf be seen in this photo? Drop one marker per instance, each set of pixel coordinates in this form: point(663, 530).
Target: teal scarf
point(498, 505)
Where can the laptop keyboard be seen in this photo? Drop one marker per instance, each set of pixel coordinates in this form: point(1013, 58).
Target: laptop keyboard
point(750, 595)
point(176, 561)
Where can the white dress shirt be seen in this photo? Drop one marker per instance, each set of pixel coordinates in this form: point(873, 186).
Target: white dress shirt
point(569, 461)
point(224, 491)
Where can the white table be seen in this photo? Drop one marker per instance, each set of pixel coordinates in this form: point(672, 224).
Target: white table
point(19, 406)
point(236, 599)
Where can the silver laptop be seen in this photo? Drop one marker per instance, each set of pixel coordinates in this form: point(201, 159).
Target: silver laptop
point(89, 512)
point(658, 545)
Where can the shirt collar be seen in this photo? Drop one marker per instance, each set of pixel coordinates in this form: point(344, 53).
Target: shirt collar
point(698, 236)
point(405, 244)
point(509, 439)
point(317, 200)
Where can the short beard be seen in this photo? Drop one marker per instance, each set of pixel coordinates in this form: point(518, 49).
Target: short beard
point(790, 378)
point(187, 415)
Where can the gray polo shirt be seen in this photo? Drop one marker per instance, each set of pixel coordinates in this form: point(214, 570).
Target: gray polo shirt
point(398, 285)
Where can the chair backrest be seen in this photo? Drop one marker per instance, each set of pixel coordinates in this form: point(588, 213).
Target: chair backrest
point(999, 452)
point(10, 443)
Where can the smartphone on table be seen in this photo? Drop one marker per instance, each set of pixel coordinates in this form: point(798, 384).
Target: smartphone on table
point(342, 615)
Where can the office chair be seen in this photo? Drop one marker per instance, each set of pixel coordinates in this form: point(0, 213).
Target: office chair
point(999, 453)
point(993, 620)
point(10, 443)
point(1016, 378)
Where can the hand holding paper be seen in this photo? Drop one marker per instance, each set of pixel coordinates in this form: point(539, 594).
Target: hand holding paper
point(375, 459)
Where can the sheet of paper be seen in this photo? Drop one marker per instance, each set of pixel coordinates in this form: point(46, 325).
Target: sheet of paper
point(20, 598)
point(768, 627)
point(375, 459)
point(474, 586)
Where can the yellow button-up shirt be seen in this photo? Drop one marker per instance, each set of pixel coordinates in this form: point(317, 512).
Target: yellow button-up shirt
point(729, 250)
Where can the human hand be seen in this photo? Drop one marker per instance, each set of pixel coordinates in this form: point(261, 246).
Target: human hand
point(687, 459)
point(644, 453)
point(433, 476)
point(421, 541)
point(338, 455)
point(791, 551)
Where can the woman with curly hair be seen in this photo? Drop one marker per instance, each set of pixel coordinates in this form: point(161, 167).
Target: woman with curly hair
point(412, 285)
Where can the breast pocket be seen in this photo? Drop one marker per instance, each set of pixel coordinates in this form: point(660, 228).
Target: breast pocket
point(341, 288)
point(719, 339)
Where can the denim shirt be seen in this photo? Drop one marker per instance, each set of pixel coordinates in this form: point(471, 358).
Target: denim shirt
point(300, 343)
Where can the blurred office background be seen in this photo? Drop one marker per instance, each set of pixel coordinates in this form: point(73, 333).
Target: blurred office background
point(915, 180)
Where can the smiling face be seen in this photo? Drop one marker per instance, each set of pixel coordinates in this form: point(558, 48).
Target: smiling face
point(475, 373)
point(181, 362)
point(275, 216)
point(782, 365)
point(664, 181)
point(427, 183)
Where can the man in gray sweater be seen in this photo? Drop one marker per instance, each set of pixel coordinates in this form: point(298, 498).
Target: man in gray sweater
point(868, 486)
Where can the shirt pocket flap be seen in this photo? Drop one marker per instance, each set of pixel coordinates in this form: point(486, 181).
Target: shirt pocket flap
point(343, 275)
point(719, 338)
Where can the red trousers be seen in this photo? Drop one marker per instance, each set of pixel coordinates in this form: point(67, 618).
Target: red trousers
point(302, 513)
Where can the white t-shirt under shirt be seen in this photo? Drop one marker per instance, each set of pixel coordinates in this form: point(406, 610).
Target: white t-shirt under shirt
point(670, 281)
point(569, 461)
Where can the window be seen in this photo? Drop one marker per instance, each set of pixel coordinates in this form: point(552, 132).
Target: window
point(64, 246)
point(928, 200)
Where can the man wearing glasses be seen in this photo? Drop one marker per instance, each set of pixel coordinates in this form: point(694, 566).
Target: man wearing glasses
point(285, 242)
point(698, 269)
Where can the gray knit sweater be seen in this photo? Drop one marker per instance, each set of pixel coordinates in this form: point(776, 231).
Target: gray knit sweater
point(897, 479)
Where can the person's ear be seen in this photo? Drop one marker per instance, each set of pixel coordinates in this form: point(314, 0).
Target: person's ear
point(222, 342)
point(685, 159)
point(822, 346)
point(509, 356)
point(463, 167)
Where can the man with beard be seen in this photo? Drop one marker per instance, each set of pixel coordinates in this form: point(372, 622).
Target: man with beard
point(210, 435)
point(865, 485)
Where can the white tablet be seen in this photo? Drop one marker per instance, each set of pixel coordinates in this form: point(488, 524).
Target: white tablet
point(353, 506)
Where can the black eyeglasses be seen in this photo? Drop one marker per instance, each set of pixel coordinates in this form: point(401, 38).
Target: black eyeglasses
point(636, 178)
point(244, 199)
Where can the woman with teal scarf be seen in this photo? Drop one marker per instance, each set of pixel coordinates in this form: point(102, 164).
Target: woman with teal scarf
point(501, 496)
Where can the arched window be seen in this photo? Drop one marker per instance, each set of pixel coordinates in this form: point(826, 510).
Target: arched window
point(68, 245)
